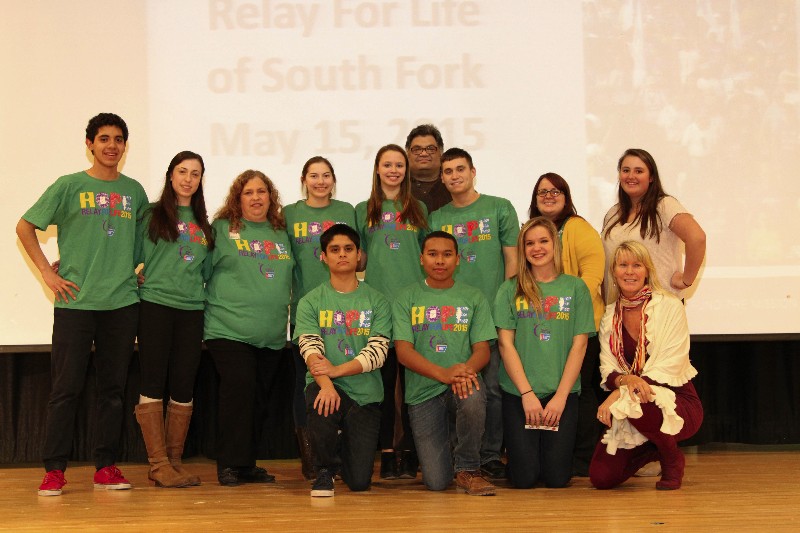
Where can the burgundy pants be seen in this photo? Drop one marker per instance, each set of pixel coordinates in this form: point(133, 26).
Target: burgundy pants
point(607, 471)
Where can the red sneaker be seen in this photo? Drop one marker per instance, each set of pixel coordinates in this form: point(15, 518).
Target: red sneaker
point(110, 478)
point(52, 483)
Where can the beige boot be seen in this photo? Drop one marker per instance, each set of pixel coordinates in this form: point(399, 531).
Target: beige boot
point(178, 418)
point(151, 419)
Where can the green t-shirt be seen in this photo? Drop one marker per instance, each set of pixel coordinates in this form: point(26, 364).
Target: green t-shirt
point(482, 229)
point(98, 232)
point(442, 324)
point(543, 340)
point(393, 248)
point(304, 225)
point(249, 285)
point(173, 271)
point(345, 321)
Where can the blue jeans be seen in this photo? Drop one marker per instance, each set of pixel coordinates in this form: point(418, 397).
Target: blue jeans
point(359, 439)
point(492, 441)
point(447, 428)
point(74, 331)
point(535, 455)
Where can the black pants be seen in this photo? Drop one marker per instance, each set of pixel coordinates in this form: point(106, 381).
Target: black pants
point(539, 455)
point(169, 348)
point(589, 428)
point(390, 371)
point(74, 331)
point(246, 376)
point(355, 450)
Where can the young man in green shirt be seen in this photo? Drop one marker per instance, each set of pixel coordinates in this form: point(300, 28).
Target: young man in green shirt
point(442, 329)
point(343, 329)
point(98, 213)
point(486, 228)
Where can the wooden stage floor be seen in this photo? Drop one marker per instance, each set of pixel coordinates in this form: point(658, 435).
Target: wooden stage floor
point(725, 489)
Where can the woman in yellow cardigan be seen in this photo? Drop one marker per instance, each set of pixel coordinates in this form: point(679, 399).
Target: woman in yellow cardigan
point(583, 256)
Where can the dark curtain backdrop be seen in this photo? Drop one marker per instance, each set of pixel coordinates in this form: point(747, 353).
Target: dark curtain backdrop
point(750, 393)
point(25, 385)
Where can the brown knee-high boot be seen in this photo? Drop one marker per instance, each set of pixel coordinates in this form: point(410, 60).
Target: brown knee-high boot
point(178, 418)
point(151, 419)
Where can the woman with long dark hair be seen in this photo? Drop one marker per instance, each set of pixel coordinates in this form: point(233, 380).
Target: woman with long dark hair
point(175, 245)
point(392, 224)
point(647, 214)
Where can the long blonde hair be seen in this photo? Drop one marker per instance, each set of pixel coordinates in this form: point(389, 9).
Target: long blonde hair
point(526, 283)
point(640, 253)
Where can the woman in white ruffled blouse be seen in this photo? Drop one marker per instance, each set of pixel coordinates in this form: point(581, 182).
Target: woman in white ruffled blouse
point(644, 361)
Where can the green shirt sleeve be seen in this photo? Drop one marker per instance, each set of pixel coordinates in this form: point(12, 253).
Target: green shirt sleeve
point(307, 323)
point(483, 328)
point(382, 317)
point(504, 316)
point(400, 317)
point(509, 223)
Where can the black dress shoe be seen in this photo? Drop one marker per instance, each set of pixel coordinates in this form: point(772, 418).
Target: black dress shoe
point(255, 474)
point(409, 464)
point(228, 477)
point(388, 465)
point(494, 469)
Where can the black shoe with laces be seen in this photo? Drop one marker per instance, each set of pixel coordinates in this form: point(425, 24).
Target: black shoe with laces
point(494, 469)
point(323, 486)
point(255, 474)
point(228, 477)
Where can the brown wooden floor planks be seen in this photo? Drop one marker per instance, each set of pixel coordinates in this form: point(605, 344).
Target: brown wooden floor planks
point(745, 489)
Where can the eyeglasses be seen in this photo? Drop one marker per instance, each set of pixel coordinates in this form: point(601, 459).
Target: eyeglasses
point(432, 149)
point(542, 193)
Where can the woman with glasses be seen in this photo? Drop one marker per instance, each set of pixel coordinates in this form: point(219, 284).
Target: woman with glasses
point(392, 224)
point(647, 214)
point(583, 257)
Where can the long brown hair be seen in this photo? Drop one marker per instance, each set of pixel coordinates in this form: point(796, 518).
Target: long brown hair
point(410, 211)
point(164, 219)
point(526, 283)
point(231, 209)
point(650, 224)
